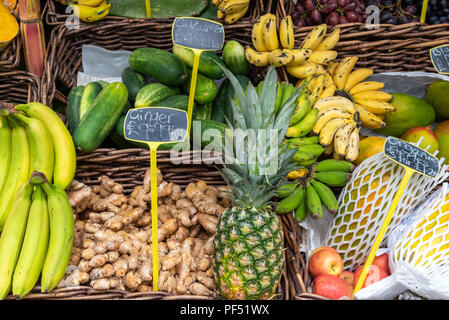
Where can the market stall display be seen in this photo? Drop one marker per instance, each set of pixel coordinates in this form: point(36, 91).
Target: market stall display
point(279, 188)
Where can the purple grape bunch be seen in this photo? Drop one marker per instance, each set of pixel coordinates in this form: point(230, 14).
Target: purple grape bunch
point(333, 12)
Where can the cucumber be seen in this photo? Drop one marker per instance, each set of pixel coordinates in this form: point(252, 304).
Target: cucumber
point(234, 58)
point(90, 93)
point(206, 89)
point(119, 142)
point(217, 135)
point(153, 93)
point(103, 83)
point(160, 64)
point(128, 106)
point(203, 112)
point(73, 107)
point(222, 104)
point(101, 117)
point(133, 81)
point(208, 65)
point(179, 101)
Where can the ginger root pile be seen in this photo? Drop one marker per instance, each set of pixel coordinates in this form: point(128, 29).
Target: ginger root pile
point(113, 244)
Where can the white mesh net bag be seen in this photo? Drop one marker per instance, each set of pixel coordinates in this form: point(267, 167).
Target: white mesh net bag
point(364, 202)
point(419, 253)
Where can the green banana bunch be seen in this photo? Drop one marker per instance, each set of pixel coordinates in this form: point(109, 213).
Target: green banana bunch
point(61, 234)
point(34, 247)
point(12, 236)
point(41, 146)
point(307, 195)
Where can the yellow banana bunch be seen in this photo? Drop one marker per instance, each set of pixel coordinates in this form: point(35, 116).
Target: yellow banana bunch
point(88, 13)
point(369, 101)
point(267, 44)
point(231, 10)
point(338, 126)
point(315, 55)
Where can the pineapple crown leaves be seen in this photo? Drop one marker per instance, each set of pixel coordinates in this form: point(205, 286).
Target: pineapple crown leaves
point(251, 185)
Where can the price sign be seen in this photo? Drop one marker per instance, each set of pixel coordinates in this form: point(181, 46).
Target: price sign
point(197, 34)
point(440, 58)
point(413, 159)
point(155, 126)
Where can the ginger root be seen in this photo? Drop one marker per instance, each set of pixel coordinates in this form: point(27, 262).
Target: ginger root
point(113, 236)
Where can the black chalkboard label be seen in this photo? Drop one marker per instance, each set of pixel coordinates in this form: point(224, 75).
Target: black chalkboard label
point(198, 33)
point(411, 156)
point(440, 58)
point(156, 124)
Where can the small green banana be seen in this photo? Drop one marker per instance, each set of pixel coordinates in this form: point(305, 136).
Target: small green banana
point(5, 150)
point(61, 235)
point(304, 126)
point(301, 156)
point(332, 178)
point(34, 247)
point(288, 91)
point(259, 88)
point(334, 165)
point(313, 202)
point(301, 210)
point(304, 140)
point(279, 94)
point(315, 149)
point(286, 190)
point(327, 196)
point(307, 163)
point(290, 203)
point(302, 109)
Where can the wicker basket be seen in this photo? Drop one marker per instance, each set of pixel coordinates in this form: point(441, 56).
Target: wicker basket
point(19, 87)
point(128, 167)
point(55, 13)
point(10, 55)
point(63, 59)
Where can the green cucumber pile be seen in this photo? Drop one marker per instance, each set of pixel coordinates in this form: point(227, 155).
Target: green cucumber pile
point(96, 112)
point(307, 195)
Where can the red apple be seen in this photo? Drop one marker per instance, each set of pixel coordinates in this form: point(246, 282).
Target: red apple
point(374, 274)
point(322, 248)
point(329, 286)
point(325, 261)
point(382, 262)
point(347, 277)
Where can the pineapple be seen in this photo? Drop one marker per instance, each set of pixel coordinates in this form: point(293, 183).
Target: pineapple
point(248, 242)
